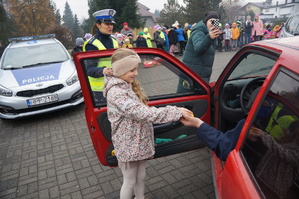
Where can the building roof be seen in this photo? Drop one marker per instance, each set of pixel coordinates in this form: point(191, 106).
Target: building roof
point(260, 5)
point(144, 12)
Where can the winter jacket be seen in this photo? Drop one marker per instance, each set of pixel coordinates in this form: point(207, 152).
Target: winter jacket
point(148, 37)
point(248, 26)
point(220, 38)
point(141, 42)
point(258, 28)
point(221, 143)
point(158, 39)
point(279, 166)
point(77, 49)
point(200, 51)
point(166, 39)
point(172, 37)
point(267, 33)
point(227, 34)
point(235, 33)
point(180, 34)
point(132, 121)
point(126, 31)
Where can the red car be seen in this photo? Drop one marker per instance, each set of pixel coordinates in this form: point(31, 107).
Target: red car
point(260, 83)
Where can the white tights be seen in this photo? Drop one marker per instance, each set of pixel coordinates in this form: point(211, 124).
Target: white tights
point(134, 179)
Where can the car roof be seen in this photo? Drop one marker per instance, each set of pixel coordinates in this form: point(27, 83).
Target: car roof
point(287, 47)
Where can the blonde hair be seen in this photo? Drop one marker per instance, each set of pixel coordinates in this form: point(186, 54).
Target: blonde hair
point(136, 87)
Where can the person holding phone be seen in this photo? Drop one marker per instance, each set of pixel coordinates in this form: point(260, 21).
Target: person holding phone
point(200, 49)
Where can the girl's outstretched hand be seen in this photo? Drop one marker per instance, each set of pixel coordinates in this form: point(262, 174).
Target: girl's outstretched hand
point(186, 111)
point(189, 120)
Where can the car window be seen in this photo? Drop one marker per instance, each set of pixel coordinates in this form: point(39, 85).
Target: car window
point(296, 31)
point(292, 25)
point(161, 79)
point(252, 65)
point(288, 23)
point(33, 54)
point(273, 157)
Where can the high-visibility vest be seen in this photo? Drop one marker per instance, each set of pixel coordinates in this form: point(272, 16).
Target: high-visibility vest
point(277, 125)
point(162, 35)
point(97, 84)
point(148, 41)
point(267, 35)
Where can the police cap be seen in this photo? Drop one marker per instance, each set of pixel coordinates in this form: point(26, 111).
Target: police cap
point(105, 16)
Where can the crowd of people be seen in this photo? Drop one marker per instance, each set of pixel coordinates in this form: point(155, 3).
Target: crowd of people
point(198, 42)
point(174, 39)
point(235, 34)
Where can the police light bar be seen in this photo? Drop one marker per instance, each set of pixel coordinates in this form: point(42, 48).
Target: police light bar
point(17, 39)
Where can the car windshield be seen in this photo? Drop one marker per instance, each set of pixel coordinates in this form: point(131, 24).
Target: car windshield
point(252, 65)
point(33, 55)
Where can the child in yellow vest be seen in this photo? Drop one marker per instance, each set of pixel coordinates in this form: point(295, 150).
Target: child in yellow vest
point(148, 37)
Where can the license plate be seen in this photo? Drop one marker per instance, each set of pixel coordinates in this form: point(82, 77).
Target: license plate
point(42, 100)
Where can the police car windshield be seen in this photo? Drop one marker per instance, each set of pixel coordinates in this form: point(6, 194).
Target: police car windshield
point(21, 57)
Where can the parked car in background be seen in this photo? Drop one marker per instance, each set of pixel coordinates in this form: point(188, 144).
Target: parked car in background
point(260, 84)
point(291, 27)
point(37, 75)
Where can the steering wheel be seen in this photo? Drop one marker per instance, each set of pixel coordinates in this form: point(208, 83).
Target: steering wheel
point(249, 93)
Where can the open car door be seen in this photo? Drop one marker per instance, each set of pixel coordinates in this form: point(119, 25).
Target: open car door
point(166, 81)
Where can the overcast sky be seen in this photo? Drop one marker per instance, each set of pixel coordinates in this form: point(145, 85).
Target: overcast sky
point(80, 7)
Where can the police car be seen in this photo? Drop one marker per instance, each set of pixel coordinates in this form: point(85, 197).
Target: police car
point(37, 75)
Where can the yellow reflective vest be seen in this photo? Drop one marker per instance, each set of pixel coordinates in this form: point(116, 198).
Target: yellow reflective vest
point(97, 84)
point(276, 125)
point(148, 41)
point(162, 35)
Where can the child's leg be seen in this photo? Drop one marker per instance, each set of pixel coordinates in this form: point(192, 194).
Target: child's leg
point(227, 44)
point(129, 177)
point(140, 180)
point(171, 49)
point(134, 179)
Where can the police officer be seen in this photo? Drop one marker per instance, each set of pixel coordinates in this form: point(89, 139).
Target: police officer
point(101, 40)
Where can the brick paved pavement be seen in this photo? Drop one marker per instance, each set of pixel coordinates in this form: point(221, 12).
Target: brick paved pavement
point(51, 156)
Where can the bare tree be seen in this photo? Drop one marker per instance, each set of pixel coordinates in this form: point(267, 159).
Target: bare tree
point(232, 9)
point(32, 17)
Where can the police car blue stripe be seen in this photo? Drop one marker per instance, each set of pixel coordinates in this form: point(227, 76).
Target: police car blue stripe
point(34, 75)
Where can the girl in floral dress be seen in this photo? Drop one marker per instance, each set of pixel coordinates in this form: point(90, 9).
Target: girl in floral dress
point(132, 121)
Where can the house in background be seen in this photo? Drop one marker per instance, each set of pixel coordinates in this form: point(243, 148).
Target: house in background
point(282, 9)
point(149, 18)
point(279, 9)
point(257, 8)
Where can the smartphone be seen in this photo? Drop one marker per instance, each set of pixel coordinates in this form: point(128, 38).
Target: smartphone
point(215, 23)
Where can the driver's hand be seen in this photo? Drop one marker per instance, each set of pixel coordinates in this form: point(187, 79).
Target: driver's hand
point(189, 120)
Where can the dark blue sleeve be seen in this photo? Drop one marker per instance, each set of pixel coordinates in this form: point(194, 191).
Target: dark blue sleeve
point(221, 143)
point(91, 64)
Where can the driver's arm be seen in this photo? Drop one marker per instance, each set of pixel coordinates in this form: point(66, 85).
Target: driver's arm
point(221, 143)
